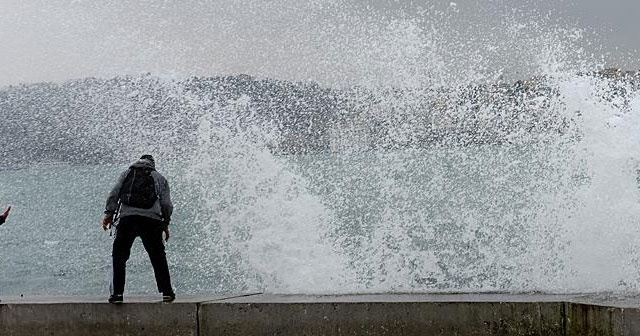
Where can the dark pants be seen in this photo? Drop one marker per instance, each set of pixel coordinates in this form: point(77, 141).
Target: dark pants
point(150, 231)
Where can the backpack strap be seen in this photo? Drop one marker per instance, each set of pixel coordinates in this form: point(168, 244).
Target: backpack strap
point(156, 183)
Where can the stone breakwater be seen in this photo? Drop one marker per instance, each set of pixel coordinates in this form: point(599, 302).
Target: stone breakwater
point(375, 314)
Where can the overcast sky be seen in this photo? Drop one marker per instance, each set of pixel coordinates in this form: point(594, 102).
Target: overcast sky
point(333, 41)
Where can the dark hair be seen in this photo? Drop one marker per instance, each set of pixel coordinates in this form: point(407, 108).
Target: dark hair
point(147, 157)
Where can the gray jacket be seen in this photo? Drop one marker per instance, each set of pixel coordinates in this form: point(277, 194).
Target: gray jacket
point(161, 209)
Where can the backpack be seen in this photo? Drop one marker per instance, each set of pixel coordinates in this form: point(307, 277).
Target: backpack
point(138, 189)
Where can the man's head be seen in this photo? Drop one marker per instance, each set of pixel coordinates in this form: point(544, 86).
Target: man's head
point(147, 157)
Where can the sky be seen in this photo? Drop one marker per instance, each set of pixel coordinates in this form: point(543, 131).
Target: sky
point(335, 42)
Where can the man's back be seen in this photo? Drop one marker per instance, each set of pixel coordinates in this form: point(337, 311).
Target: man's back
point(161, 209)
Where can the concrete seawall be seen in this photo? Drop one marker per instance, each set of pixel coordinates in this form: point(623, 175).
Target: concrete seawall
point(380, 314)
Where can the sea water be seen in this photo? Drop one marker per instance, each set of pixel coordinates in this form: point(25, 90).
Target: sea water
point(444, 220)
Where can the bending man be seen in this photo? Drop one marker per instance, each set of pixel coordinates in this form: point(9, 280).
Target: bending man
point(142, 201)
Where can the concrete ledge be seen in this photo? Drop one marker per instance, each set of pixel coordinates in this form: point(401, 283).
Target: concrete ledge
point(262, 314)
point(408, 314)
point(596, 320)
point(98, 319)
point(94, 316)
point(409, 318)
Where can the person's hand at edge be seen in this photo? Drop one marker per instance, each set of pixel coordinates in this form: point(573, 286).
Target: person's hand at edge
point(107, 222)
point(5, 215)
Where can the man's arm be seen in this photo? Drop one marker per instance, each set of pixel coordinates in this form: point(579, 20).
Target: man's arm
point(112, 201)
point(166, 206)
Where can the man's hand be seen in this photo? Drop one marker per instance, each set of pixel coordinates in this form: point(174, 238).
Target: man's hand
point(167, 234)
point(107, 222)
point(5, 215)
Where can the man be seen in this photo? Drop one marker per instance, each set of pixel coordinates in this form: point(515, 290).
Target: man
point(141, 199)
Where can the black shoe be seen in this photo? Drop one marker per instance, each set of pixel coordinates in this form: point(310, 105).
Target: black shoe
point(168, 297)
point(115, 298)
